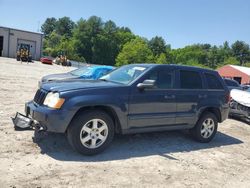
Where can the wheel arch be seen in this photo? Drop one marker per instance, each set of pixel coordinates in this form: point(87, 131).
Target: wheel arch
point(107, 109)
point(213, 110)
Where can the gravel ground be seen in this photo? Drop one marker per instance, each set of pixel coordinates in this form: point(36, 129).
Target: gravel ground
point(167, 159)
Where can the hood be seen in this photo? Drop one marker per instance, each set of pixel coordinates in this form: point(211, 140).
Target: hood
point(62, 76)
point(242, 97)
point(77, 84)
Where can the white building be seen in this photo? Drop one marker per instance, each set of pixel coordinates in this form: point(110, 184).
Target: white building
point(12, 39)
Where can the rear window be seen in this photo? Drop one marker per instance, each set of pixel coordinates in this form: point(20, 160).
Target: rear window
point(190, 80)
point(231, 83)
point(213, 82)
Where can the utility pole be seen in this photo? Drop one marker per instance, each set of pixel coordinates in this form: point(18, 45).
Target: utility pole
point(38, 26)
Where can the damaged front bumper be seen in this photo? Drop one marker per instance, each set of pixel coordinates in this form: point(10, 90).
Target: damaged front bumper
point(23, 122)
point(43, 118)
point(48, 119)
point(237, 109)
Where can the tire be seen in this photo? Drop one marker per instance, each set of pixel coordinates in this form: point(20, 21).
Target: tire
point(91, 132)
point(205, 128)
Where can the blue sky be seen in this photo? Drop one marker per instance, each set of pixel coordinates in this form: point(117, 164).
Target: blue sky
point(179, 22)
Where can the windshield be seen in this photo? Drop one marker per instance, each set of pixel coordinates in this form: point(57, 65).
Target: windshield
point(125, 74)
point(84, 71)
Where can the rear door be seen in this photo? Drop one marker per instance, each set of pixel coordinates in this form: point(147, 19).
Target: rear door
point(189, 96)
point(155, 106)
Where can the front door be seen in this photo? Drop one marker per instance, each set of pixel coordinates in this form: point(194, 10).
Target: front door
point(155, 106)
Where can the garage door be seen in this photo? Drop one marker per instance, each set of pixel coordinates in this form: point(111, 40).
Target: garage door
point(31, 44)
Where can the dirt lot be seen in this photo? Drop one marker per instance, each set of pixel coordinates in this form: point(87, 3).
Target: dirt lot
point(169, 159)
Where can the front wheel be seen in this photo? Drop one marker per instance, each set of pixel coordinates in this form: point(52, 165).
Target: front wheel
point(91, 132)
point(206, 128)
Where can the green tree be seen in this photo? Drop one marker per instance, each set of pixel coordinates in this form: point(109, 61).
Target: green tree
point(51, 44)
point(99, 42)
point(194, 53)
point(231, 61)
point(227, 52)
point(54, 40)
point(94, 26)
point(105, 47)
point(82, 40)
point(135, 51)
point(105, 43)
point(48, 26)
point(65, 26)
point(104, 50)
point(161, 59)
point(122, 36)
point(241, 51)
point(108, 43)
point(157, 45)
point(214, 57)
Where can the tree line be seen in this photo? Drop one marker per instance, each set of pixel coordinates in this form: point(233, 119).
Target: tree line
point(98, 42)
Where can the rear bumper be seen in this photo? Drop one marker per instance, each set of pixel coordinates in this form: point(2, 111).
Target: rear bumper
point(50, 119)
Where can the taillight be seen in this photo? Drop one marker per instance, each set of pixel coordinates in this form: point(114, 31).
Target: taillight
point(228, 97)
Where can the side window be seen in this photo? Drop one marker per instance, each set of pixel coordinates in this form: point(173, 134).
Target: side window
point(213, 82)
point(190, 80)
point(163, 79)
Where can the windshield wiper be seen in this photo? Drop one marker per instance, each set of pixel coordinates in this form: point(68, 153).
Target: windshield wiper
point(105, 80)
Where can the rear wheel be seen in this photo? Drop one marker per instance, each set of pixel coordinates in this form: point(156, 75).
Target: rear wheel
point(206, 128)
point(91, 132)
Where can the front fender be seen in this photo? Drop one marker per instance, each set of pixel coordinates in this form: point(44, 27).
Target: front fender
point(118, 104)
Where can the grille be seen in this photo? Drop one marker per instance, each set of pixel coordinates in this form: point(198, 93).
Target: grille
point(40, 96)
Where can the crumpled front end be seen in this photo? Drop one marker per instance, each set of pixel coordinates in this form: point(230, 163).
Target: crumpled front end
point(237, 109)
point(240, 103)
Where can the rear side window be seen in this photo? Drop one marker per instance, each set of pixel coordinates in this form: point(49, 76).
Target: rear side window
point(213, 82)
point(190, 80)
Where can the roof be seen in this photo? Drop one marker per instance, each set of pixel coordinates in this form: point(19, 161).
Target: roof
point(184, 67)
point(245, 70)
point(21, 30)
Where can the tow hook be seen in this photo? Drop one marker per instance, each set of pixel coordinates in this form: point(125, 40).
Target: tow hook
point(39, 128)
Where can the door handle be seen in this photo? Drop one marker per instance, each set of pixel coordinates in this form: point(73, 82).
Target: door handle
point(169, 97)
point(202, 96)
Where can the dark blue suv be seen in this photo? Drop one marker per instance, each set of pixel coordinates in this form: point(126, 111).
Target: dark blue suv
point(134, 98)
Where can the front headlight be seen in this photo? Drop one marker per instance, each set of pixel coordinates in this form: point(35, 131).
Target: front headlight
point(53, 100)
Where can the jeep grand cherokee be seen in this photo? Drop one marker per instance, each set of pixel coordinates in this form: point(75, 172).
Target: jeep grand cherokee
point(134, 98)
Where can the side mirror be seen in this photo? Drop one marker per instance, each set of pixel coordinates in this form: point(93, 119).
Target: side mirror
point(146, 84)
